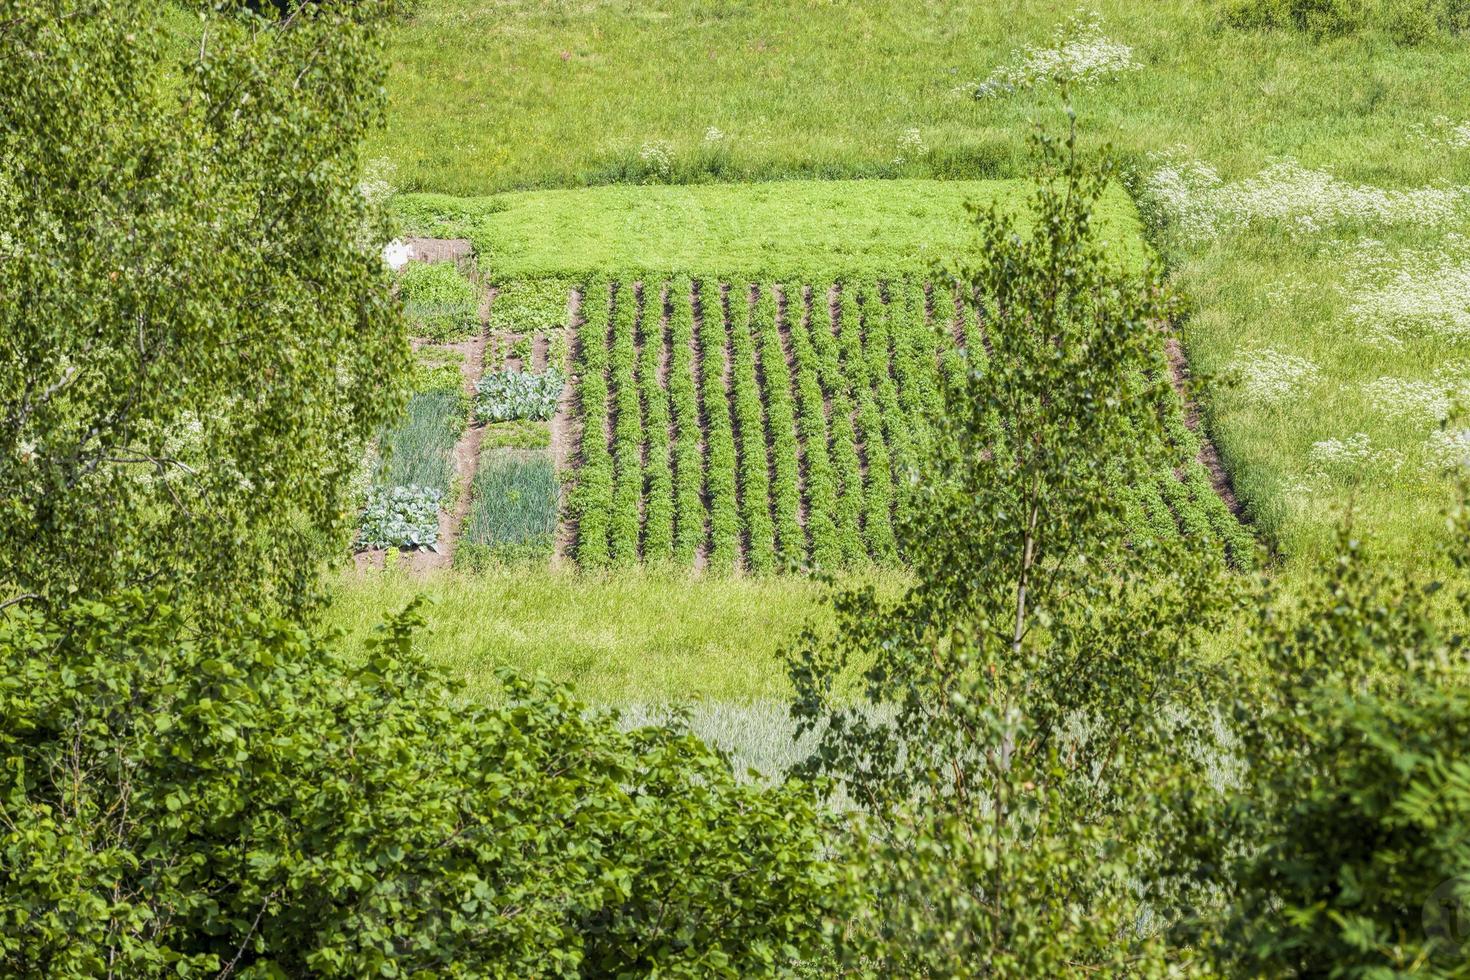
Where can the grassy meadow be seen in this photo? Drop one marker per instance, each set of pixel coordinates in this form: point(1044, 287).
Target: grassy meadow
point(489, 98)
point(639, 636)
point(1307, 195)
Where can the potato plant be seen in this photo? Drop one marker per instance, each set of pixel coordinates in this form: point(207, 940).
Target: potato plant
point(781, 418)
point(754, 471)
point(658, 478)
point(627, 428)
point(689, 511)
point(590, 501)
point(724, 511)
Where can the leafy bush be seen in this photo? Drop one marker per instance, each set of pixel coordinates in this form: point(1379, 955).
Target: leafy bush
point(1347, 844)
point(440, 302)
point(240, 797)
point(501, 396)
point(401, 517)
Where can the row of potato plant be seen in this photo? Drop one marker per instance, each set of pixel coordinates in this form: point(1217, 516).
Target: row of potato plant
point(755, 426)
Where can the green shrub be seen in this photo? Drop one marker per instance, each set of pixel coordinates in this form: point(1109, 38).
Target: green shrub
point(440, 302)
point(184, 799)
point(503, 396)
point(401, 517)
point(1346, 845)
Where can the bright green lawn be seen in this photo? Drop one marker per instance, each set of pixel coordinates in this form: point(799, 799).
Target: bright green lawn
point(639, 636)
point(794, 230)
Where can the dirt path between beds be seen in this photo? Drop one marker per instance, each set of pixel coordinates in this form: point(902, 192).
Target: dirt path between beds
point(1208, 456)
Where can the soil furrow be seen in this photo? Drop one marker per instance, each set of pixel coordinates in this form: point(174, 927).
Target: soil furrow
point(783, 325)
point(729, 378)
point(697, 365)
point(1208, 455)
point(566, 432)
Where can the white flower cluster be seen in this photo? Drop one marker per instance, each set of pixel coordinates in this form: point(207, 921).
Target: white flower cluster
point(910, 144)
point(1202, 205)
point(1271, 377)
point(1079, 52)
point(1397, 296)
point(714, 135)
point(658, 156)
point(377, 184)
point(1354, 456)
point(1445, 134)
point(1419, 400)
point(1449, 448)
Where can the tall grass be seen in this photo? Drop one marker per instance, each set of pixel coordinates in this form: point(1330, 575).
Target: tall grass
point(513, 501)
point(643, 635)
point(419, 450)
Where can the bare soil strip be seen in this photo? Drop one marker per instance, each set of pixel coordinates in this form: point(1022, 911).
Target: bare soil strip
point(754, 328)
point(729, 378)
point(540, 351)
point(640, 325)
point(783, 326)
point(566, 433)
point(1208, 455)
point(665, 368)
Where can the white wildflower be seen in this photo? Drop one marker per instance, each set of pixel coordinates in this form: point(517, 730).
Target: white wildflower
point(1397, 296)
point(26, 450)
point(396, 254)
point(1192, 195)
point(658, 157)
point(1270, 376)
point(1354, 457)
point(1449, 448)
point(377, 184)
point(713, 135)
point(910, 144)
point(1427, 401)
point(1079, 53)
point(1445, 134)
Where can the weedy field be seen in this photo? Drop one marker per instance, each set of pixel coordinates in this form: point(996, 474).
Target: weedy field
point(772, 175)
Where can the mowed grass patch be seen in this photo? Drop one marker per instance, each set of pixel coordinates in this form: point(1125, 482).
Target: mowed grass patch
point(638, 637)
point(794, 230)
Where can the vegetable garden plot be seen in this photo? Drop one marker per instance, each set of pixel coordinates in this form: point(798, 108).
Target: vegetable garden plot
point(763, 426)
point(513, 505)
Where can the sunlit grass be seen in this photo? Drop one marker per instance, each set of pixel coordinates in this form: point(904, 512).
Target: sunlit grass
point(641, 636)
